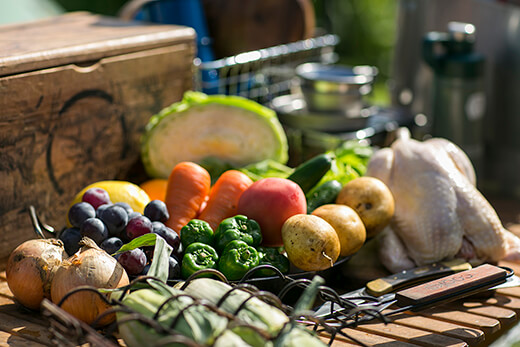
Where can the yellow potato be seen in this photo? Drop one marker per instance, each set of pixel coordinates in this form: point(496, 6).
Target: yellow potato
point(311, 243)
point(347, 224)
point(371, 199)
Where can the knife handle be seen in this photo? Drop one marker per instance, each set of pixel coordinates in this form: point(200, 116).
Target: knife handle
point(452, 286)
point(407, 278)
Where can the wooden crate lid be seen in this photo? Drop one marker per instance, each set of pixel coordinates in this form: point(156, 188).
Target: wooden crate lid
point(80, 37)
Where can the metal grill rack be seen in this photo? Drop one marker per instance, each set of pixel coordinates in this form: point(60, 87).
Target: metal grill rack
point(349, 310)
point(66, 330)
point(263, 74)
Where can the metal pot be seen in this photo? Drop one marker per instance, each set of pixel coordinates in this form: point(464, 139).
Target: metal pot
point(292, 110)
point(335, 88)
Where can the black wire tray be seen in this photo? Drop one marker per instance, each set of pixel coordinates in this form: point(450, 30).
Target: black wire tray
point(66, 330)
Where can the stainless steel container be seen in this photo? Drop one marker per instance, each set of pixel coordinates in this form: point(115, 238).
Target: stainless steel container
point(335, 88)
point(498, 27)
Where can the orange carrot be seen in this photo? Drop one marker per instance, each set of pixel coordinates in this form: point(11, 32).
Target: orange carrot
point(203, 205)
point(223, 199)
point(188, 186)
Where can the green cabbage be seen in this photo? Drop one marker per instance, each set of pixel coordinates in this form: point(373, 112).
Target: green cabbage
point(231, 129)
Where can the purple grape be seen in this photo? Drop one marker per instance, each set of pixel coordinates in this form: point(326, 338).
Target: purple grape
point(133, 261)
point(157, 226)
point(70, 238)
point(115, 218)
point(156, 210)
point(101, 208)
point(125, 205)
point(138, 226)
point(95, 229)
point(148, 251)
point(174, 269)
point(146, 269)
point(96, 197)
point(111, 245)
point(178, 252)
point(133, 215)
point(170, 236)
point(79, 212)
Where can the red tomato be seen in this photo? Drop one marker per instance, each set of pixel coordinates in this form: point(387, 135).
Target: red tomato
point(270, 202)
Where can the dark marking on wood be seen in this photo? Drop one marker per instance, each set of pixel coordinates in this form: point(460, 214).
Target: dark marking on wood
point(68, 105)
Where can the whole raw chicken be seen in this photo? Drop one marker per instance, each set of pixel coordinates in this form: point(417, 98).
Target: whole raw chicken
point(439, 213)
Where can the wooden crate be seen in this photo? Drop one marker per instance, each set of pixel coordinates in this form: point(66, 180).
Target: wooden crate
point(76, 92)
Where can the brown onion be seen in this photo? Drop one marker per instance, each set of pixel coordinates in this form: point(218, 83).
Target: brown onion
point(30, 269)
point(91, 266)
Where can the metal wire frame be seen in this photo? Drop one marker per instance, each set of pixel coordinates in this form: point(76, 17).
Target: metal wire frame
point(263, 74)
point(67, 330)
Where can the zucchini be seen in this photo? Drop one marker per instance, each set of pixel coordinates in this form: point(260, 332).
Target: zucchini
point(325, 193)
point(310, 172)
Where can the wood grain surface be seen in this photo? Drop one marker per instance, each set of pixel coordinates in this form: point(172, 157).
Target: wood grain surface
point(470, 322)
point(80, 37)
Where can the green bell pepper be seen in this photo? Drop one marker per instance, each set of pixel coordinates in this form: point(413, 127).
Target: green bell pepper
point(238, 258)
point(237, 228)
point(196, 231)
point(272, 256)
point(198, 256)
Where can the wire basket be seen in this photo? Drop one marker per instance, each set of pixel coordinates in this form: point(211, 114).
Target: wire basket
point(263, 74)
point(66, 330)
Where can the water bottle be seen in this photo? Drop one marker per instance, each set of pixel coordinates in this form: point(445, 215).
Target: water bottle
point(458, 99)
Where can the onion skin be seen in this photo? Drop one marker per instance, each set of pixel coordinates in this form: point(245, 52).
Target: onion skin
point(30, 269)
point(91, 266)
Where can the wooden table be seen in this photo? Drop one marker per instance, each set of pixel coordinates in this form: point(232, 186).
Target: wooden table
point(469, 322)
point(475, 322)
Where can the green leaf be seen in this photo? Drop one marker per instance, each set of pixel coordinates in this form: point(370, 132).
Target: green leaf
point(160, 262)
point(161, 253)
point(351, 162)
point(141, 241)
point(308, 296)
point(266, 168)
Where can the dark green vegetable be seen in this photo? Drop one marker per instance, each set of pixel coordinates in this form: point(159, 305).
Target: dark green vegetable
point(237, 228)
point(176, 312)
point(325, 193)
point(237, 258)
point(246, 307)
point(351, 159)
point(272, 256)
point(196, 231)
point(198, 256)
point(309, 173)
point(266, 168)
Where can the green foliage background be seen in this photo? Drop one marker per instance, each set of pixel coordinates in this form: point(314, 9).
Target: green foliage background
point(107, 7)
point(367, 35)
